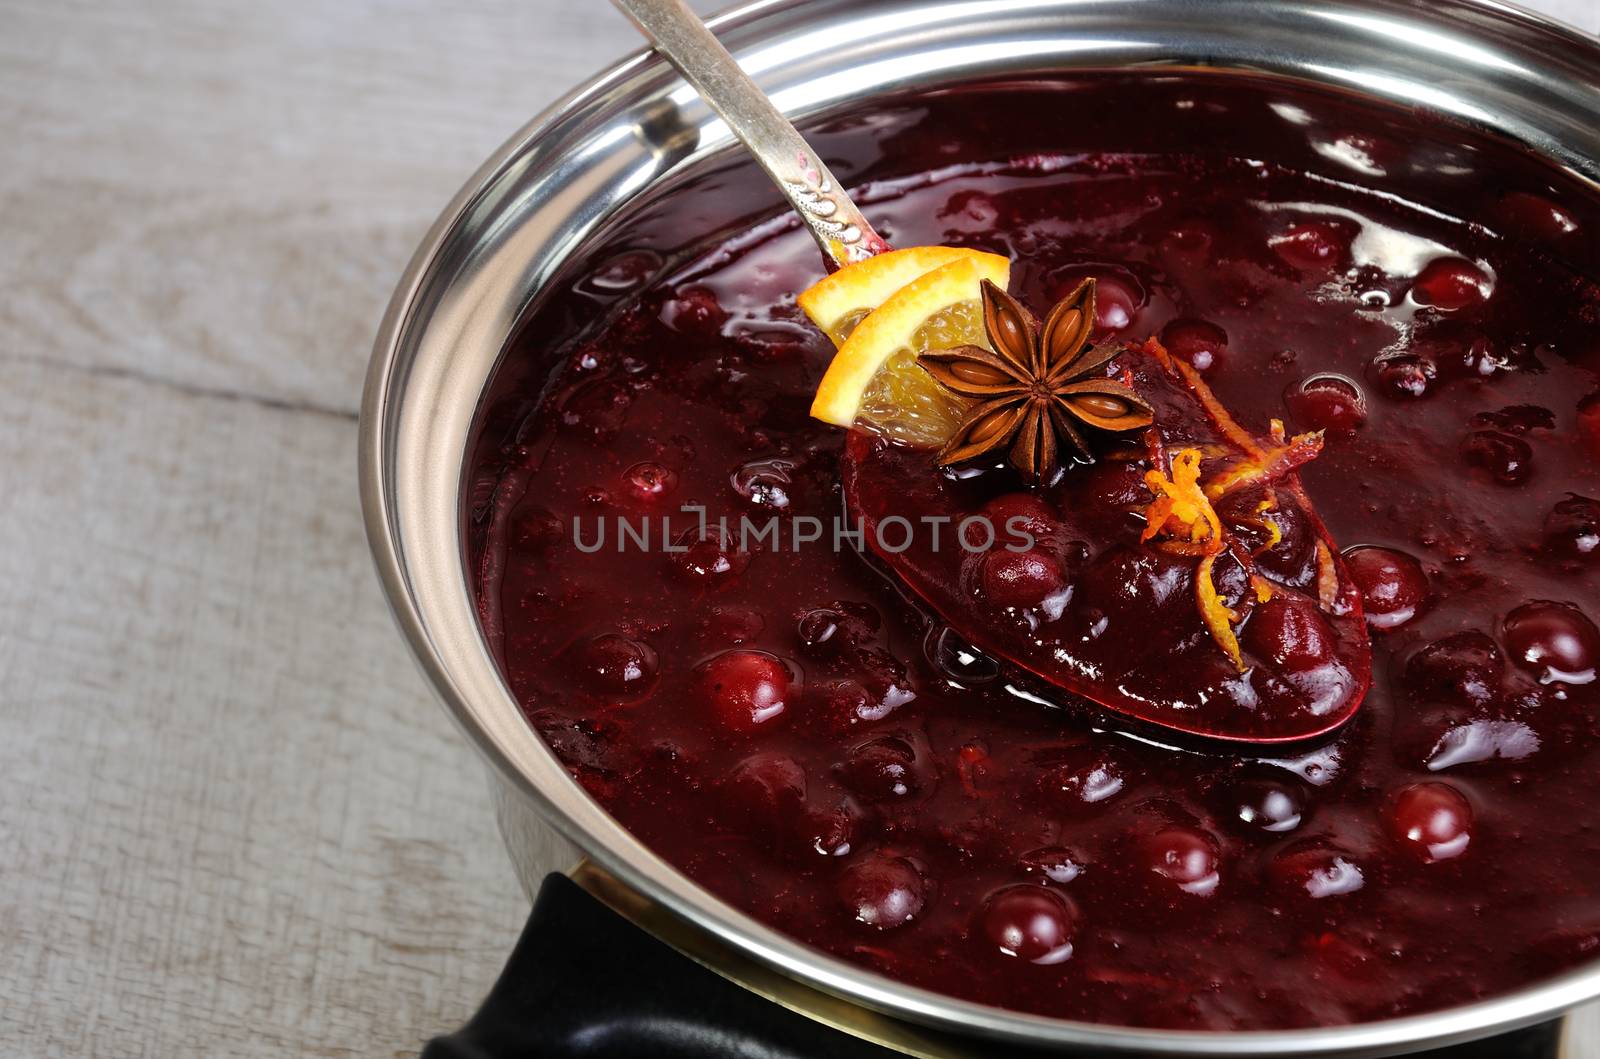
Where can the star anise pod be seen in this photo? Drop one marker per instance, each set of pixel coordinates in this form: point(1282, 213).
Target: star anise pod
point(1037, 391)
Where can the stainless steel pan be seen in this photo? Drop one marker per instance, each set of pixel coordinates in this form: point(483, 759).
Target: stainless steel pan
point(531, 207)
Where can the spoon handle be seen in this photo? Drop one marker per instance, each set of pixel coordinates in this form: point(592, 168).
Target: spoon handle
point(834, 221)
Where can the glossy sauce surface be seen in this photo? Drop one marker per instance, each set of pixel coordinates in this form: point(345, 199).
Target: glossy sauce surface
point(795, 735)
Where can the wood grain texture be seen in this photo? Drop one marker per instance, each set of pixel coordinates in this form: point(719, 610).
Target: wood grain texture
point(234, 818)
point(235, 823)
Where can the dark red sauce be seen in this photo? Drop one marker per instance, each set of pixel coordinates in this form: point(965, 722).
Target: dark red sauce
point(803, 741)
point(1061, 583)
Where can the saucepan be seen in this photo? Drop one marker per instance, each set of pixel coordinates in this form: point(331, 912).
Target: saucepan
point(533, 207)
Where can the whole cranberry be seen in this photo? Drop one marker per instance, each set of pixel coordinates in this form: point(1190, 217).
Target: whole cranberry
point(840, 705)
point(1182, 858)
point(1433, 820)
point(591, 748)
point(1314, 869)
point(1451, 283)
point(648, 481)
point(1117, 299)
point(1054, 864)
point(1463, 668)
point(768, 791)
point(694, 310)
point(1572, 529)
point(747, 689)
point(1327, 401)
point(1393, 585)
point(1555, 640)
point(1029, 923)
point(1082, 775)
point(885, 676)
point(710, 558)
point(1312, 245)
point(833, 831)
point(828, 630)
point(1507, 458)
point(617, 665)
point(1268, 804)
point(1289, 559)
point(1128, 588)
point(1404, 376)
point(1012, 521)
point(1200, 343)
point(765, 483)
point(1020, 579)
point(1533, 216)
point(883, 891)
point(882, 769)
point(1483, 358)
point(1289, 631)
point(1114, 483)
point(819, 629)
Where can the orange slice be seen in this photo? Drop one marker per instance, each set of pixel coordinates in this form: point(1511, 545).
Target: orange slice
point(840, 301)
point(874, 378)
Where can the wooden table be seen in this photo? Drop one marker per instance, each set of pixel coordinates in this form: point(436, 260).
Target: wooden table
point(235, 823)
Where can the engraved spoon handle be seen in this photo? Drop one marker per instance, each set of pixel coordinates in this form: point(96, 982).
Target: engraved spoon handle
point(833, 220)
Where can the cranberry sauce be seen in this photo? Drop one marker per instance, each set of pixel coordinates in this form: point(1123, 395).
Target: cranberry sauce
point(793, 733)
point(1080, 599)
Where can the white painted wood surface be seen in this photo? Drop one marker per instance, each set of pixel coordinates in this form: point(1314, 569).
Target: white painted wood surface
point(234, 822)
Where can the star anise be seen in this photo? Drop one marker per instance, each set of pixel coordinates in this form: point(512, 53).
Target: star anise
point(1037, 391)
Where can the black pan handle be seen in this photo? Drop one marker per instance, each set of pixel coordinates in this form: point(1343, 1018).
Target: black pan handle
point(584, 983)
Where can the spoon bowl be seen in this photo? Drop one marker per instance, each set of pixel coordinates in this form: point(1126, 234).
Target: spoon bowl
point(1062, 586)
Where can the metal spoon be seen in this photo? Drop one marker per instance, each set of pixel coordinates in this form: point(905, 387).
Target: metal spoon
point(845, 235)
point(834, 221)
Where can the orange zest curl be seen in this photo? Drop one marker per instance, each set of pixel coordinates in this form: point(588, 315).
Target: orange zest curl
point(1182, 511)
point(1220, 417)
point(1186, 523)
point(1181, 508)
point(1216, 613)
point(1268, 465)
